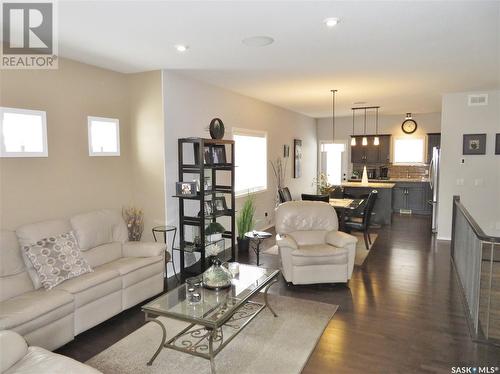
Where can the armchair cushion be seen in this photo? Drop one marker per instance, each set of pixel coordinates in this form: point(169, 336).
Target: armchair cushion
point(143, 249)
point(12, 349)
point(319, 255)
point(286, 241)
point(340, 239)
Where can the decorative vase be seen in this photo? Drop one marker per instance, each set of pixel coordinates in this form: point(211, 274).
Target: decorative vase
point(364, 179)
point(243, 244)
point(217, 276)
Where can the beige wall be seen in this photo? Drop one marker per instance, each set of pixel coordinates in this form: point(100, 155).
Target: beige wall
point(69, 181)
point(147, 147)
point(477, 179)
point(189, 107)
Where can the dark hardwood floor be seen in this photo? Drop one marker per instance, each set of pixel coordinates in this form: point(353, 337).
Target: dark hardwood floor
point(401, 313)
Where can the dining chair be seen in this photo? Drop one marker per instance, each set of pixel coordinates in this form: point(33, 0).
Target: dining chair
point(309, 197)
point(284, 195)
point(363, 223)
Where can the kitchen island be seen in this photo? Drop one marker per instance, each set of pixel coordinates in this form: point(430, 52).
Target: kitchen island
point(383, 204)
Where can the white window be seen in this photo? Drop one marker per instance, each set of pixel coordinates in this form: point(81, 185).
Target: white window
point(332, 162)
point(104, 136)
point(408, 150)
point(23, 133)
point(250, 150)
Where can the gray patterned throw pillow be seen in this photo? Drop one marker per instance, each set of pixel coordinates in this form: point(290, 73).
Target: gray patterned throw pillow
point(57, 259)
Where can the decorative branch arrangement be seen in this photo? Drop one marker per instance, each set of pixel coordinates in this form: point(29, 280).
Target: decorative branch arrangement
point(134, 218)
point(279, 170)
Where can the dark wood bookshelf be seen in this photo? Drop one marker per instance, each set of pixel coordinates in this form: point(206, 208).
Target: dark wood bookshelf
point(202, 170)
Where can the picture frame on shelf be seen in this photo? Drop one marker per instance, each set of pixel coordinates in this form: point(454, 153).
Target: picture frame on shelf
point(185, 188)
point(219, 204)
point(207, 183)
point(474, 144)
point(208, 208)
point(207, 156)
point(218, 154)
point(497, 144)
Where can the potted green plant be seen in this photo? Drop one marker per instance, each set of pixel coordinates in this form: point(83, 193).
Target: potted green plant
point(213, 231)
point(245, 223)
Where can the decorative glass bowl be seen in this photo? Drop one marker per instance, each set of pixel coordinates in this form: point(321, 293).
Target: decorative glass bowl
point(217, 276)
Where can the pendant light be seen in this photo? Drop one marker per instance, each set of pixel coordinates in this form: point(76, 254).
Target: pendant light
point(364, 142)
point(376, 140)
point(353, 138)
point(333, 114)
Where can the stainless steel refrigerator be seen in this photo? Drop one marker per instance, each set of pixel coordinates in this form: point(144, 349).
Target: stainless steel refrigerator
point(434, 182)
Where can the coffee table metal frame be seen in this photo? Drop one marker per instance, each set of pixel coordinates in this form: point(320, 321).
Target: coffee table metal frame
point(211, 331)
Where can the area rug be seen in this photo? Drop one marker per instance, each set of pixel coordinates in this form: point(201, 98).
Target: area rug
point(266, 345)
point(361, 252)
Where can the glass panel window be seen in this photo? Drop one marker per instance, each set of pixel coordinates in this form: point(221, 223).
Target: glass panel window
point(251, 161)
point(23, 133)
point(104, 136)
point(408, 150)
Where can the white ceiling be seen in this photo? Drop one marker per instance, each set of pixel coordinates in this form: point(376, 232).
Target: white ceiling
point(397, 54)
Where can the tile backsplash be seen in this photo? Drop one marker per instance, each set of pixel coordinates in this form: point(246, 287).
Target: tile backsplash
point(408, 171)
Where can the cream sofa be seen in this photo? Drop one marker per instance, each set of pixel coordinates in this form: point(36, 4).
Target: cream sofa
point(311, 248)
point(17, 358)
point(124, 274)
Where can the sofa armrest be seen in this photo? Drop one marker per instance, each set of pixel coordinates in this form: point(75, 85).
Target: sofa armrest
point(340, 239)
point(143, 249)
point(13, 347)
point(286, 241)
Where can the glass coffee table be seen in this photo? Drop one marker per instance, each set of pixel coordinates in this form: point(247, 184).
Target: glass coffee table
point(214, 317)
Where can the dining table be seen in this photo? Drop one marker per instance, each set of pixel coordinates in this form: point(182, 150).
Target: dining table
point(344, 205)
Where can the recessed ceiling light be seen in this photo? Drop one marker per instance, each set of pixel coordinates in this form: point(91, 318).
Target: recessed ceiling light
point(257, 41)
point(331, 22)
point(181, 48)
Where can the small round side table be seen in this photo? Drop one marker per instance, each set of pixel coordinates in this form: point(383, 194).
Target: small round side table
point(166, 229)
point(257, 237)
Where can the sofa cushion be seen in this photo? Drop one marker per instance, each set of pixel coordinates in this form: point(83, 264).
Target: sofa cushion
point(37, 308)
point(92, 286)
point(39, 360)
point(136, 269)
point(12, 348)
point(31, 233)
point(319, 255)
point(309, 237)
point(14, 278)
point(103, 254)
point(99, 227)
point(57, 259)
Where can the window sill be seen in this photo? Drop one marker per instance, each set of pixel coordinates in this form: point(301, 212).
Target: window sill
point(243, 194)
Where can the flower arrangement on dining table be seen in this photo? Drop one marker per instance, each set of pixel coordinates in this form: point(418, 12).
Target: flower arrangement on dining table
point(322, 184)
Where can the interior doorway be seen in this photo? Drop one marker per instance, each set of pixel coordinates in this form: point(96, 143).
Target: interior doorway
point(333, 161)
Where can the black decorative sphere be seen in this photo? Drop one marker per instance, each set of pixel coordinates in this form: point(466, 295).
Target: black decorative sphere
point(216, 128)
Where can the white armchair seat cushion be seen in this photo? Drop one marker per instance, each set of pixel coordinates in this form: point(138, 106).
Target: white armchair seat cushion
point(40, 361)
point(136, 269)
point(34, 309)
point(319, 255)
point(92, 286)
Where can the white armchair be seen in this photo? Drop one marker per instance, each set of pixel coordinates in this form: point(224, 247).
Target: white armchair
point(311, 248)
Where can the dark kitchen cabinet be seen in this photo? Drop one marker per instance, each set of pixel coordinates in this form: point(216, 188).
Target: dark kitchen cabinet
point(385, 149)
point(411, 197)
point(370, 153)
point(433, 140)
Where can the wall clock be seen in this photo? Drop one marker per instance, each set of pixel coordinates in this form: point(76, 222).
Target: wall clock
point(409, 126)
point(216, 128)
